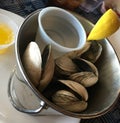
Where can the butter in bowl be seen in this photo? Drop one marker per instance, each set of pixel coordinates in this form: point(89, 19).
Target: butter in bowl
point(8, 32)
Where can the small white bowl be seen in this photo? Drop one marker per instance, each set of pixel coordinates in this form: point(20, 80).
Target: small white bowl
point(13, 26)
point(61, 29)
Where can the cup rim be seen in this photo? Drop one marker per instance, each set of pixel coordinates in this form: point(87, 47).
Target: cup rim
point(82, 33)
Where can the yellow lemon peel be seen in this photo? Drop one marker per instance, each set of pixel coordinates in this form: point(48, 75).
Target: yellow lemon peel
point(105, 26)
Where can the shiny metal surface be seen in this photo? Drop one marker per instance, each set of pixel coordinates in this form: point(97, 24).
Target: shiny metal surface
point(102, 96)
point(18, 100)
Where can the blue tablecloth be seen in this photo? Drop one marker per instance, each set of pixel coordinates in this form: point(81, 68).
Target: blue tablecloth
point(25, 7)
point(22, 7)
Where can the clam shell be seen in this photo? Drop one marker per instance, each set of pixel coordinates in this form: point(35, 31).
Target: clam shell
point(75, 106)
point(48, 68)
point(78, 53)
point(93, 53)
point(65, 66)
point(68, 101)
point(32, 62)
point(76, 87)
point(64, 96)
point(85, 65)
point(87, 79)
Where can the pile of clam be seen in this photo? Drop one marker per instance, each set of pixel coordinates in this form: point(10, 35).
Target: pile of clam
point(70, 74)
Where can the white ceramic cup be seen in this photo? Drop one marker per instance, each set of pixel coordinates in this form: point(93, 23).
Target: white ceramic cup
point(61, 29)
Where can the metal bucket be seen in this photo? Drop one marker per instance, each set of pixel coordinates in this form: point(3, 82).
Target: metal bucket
point(103, 95)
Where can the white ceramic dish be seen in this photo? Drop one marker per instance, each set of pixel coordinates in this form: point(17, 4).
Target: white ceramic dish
point(7, 113)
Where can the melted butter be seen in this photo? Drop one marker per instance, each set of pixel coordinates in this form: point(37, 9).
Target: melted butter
point(6, 34)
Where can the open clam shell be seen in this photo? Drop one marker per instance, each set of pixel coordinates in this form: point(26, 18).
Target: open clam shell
point(78, 53)
point(39, 68)
point(32, 62)
point(64, 96)
point(65, 66)
point(76, 87)
point(48, 68)
point(84, 65)
point(72, 98)
point(87, 79)
point(91, 52)
point(87, 74)
point(69, 101)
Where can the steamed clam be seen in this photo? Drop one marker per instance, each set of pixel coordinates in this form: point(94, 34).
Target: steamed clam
point(32, 62)
point(78, 88)
point(87, 79)
point(38, 66)
point(87, 74)
point(65, 66)
point(69, 101)
point(47, 68)
point(91, 52)
point(74, 100)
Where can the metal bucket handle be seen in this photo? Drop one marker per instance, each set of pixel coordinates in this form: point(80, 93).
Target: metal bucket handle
point(15, 101)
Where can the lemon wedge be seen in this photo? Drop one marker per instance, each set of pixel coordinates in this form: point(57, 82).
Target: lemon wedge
point(105, 26)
